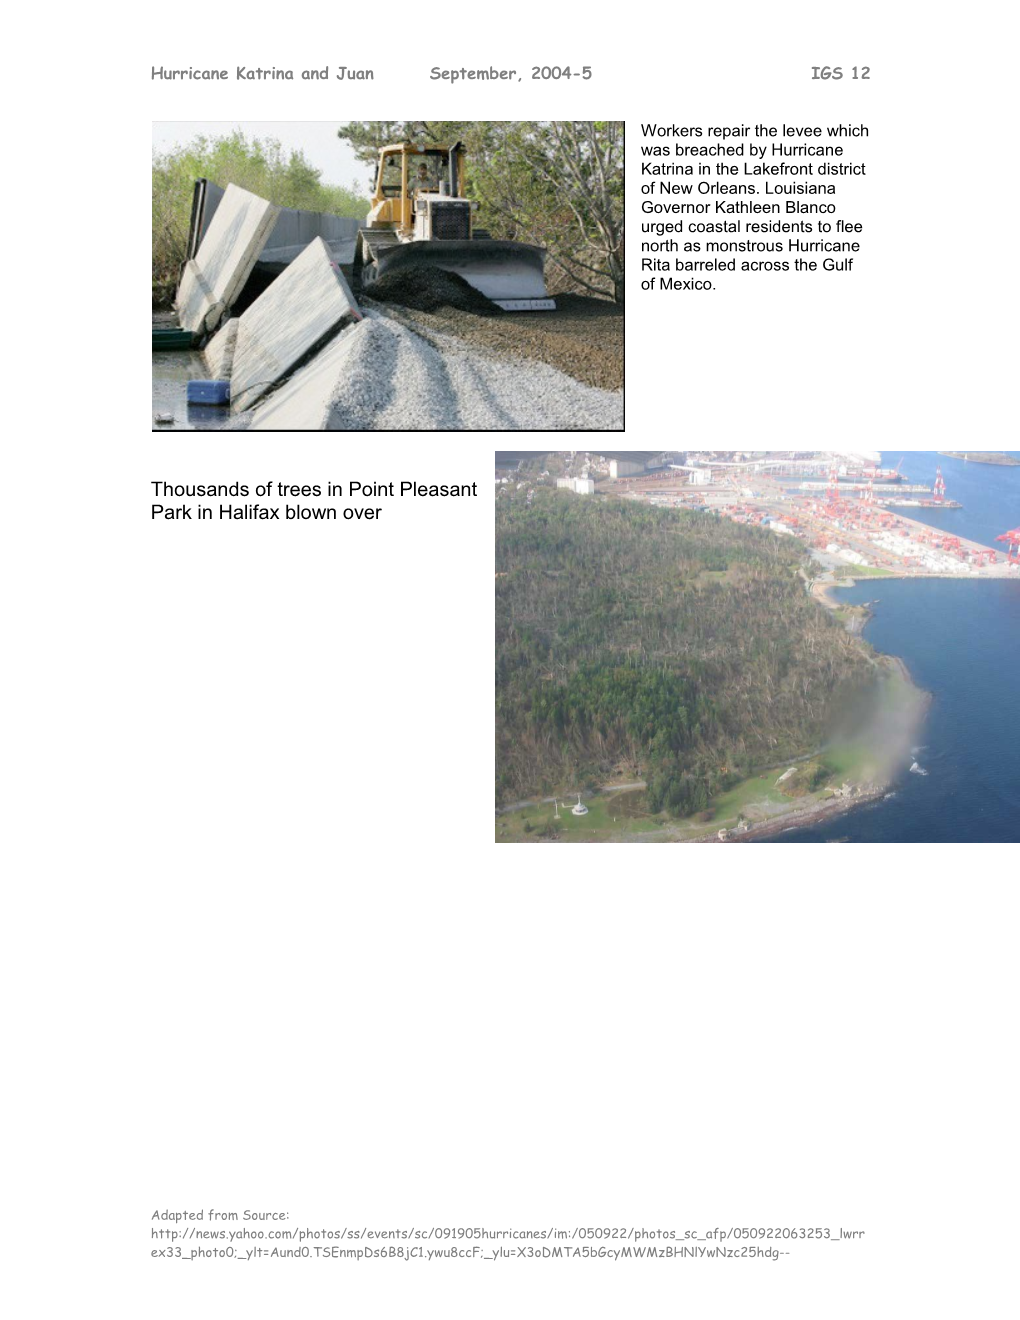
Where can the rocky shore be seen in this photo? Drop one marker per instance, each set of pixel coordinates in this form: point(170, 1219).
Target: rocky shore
point(801, 818)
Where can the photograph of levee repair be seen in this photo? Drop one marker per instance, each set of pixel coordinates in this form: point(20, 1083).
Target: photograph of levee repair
point(725, 647)
point(468, 278)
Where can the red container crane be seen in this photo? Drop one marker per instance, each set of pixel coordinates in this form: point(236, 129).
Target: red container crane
point(1013, 540)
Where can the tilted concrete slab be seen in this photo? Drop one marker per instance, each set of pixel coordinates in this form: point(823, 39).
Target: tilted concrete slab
point(302, 307)
point(226, 255)
point(303, 402)
point(293, 228)
point(219, 352)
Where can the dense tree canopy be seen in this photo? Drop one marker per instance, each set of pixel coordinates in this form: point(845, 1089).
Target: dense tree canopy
point(556, 183)
point(655, 641)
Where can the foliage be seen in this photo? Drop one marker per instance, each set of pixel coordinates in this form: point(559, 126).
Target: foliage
point(806, 778)
point(261, 165)
point(555, 183)
point(669, 642)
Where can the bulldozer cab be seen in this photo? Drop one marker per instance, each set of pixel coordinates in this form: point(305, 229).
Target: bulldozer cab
point(390, 181)
point(406, 170)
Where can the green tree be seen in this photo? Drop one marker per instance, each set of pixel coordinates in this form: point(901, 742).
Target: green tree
point(620, 643)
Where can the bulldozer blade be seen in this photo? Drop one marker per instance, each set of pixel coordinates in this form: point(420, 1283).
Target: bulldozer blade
point(512, 275)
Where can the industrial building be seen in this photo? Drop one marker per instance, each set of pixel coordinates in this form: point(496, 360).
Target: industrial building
point(579, 485)
point(850, 520)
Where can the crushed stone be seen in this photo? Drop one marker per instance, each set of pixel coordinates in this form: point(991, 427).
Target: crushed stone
point(394, 380)
point(428, 288)
point(582, 337)
point(397, 381)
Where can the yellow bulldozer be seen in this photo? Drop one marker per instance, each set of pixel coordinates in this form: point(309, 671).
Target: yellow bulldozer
point(420, 216)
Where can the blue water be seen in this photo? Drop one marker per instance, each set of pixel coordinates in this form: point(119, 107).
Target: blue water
point(990, 495)
point(960, 641)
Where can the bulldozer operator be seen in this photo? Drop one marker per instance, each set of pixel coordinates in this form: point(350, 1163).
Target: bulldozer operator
point(424, 181)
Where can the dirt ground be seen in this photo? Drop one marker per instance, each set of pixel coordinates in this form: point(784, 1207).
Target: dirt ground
point(583, 337)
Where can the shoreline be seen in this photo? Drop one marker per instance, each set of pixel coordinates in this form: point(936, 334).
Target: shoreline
point(820, 591)
point(803, 814)
point(807, 816)
point(808, 813)
point(991, 460)
point(804, 819)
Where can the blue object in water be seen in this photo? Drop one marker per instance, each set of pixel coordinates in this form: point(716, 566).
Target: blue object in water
point(215, 392)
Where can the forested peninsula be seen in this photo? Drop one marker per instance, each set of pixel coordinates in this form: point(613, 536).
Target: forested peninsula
point(669, 645)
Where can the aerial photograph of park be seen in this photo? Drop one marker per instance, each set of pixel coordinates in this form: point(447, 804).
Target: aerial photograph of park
point(707, 646)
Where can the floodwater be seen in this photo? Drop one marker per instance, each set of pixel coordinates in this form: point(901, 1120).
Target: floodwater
point(170, 375)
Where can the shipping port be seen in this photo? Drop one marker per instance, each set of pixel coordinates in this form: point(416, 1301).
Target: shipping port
point(855, 519)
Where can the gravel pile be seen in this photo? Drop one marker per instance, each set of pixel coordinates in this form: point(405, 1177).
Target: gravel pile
point(582, 337)
point(428, 288)
point(394, 380)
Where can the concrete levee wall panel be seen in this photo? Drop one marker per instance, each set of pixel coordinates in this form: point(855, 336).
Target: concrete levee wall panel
point(303, 403)
point(293, 228)
point(206, 197)
point(225, 258)
point(302, 226)
point(219, 352)
point(304, 305)
point(276, 258)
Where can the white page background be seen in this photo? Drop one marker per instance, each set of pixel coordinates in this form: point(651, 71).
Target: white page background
point(263, 953)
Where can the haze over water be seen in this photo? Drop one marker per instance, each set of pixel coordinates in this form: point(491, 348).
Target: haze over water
point(960, 641)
